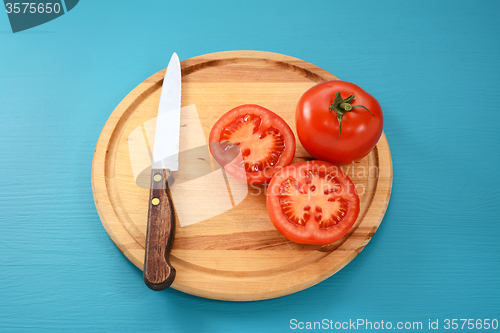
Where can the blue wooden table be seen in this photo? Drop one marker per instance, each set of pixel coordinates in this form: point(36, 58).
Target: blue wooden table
point(434, 67)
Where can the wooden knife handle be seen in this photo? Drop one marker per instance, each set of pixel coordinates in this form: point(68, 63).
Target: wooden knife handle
point(158, 272)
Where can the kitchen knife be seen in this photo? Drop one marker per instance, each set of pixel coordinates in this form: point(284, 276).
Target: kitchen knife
point(158, 272)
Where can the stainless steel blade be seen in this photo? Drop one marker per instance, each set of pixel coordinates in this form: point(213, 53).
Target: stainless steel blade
point(166, 145)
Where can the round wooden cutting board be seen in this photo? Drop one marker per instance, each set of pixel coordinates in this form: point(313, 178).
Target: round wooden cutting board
point(235, 254)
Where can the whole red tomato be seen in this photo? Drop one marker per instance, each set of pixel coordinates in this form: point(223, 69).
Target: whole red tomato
point(338, 122)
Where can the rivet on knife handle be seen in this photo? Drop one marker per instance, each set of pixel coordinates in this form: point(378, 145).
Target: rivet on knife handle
point(158, 272)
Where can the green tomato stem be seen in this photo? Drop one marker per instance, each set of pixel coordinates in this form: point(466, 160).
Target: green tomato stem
point(342, 106)
point(346, 106)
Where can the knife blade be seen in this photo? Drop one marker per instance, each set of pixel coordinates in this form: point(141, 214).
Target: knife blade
point(159, 274)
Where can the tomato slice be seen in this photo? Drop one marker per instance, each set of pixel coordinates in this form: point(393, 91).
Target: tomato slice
point(312, 202)
point(252, 143)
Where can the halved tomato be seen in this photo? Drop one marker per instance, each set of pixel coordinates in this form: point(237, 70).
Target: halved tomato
point(312, 202)
point(252, 143)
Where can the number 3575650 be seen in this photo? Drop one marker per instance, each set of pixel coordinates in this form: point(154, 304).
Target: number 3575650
point(32, 8)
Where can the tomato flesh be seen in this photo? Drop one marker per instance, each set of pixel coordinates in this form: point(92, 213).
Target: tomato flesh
point(252, 143)
point(259, 149)
point(312, 202)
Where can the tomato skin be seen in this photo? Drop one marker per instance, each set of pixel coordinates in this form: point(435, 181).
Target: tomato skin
point(264, 123)
point(318, 127)
point(310, 232)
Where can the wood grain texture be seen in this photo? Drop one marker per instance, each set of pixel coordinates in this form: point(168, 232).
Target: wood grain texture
point(158, 272)
point(237, 255)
